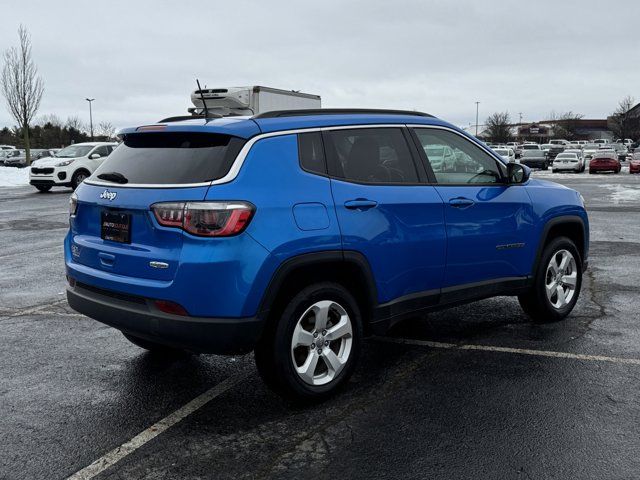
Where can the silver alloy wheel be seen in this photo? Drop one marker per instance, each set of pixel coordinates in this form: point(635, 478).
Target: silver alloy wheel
point(561, 278)
point(80, 178)
point(321, 342)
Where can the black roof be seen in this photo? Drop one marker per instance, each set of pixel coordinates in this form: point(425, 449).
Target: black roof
point(338, 111)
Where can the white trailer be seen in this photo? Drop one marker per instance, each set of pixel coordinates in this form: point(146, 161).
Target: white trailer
point(250, 100)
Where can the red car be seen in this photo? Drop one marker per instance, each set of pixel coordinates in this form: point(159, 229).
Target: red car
point(634, 163)
point(605, 162)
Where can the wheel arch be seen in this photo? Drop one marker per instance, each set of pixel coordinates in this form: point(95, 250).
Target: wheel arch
point(571, 226)
point(349, 268)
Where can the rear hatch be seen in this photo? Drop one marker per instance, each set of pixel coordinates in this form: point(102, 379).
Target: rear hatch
point(114, 229)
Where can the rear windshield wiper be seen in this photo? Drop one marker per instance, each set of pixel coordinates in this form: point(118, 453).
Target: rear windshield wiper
point(113, 177)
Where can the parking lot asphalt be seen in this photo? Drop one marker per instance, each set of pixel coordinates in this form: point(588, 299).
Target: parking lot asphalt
point(472, 392)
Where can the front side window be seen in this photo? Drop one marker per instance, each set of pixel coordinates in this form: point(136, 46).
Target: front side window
point(371, 155)
point(102, 150)
point(455, 160)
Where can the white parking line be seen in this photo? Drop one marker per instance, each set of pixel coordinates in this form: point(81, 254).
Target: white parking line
point(518, 351)
point(118, 453)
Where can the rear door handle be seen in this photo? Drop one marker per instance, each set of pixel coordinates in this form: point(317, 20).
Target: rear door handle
point(461, 202)
point(360, 204)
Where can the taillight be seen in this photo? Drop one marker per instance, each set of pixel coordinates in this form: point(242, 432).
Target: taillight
point(205, 219)
point(73, 204)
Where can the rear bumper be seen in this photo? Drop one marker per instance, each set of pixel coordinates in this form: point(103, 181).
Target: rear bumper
point(139, 317)
point(566, 166)
point(533, 163)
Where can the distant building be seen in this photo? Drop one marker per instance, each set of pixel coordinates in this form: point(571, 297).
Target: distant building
point(543, 131)
point(634, 124)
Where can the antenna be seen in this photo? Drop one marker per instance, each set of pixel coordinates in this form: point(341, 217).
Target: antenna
point(204, 104)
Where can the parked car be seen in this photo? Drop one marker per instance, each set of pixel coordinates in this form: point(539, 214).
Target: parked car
point(70, 166)
point(605, 161)
point(600, 141)
point(577, 151)
point(15, 158)
point(555, 150)
point(567, 161)
point(589, 150)
point(506, 154)
point(563, 143)
point(634, 163)
point(627, 142)
point(7, 147)
point(620, 150)
point(535, 158)
point(172, 239)
point(44, 154)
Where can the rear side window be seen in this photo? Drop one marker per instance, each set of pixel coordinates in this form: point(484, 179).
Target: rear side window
point(311, 152)
point(171, 158)
point(371, 155)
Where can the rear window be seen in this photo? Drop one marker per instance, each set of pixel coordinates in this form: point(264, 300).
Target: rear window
point(170, 158)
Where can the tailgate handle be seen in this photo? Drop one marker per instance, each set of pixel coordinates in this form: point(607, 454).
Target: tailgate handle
point(106, 259)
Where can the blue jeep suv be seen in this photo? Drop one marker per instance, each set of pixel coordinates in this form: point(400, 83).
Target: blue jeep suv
point(296, 233)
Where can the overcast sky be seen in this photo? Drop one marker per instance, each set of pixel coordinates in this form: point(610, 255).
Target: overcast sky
point(139, 59)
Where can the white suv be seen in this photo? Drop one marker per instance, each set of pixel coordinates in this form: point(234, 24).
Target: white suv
point(70, 166)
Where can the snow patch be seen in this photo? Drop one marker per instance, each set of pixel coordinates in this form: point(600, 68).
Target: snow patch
point(623, 193)
point(13, 177)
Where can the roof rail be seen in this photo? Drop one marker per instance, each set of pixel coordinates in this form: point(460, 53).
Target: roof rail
point(338, 111)
point(180, 118)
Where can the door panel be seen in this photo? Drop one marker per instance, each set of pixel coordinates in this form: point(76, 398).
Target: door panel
point(399, 229)
point(489, 223)
point(489, 234)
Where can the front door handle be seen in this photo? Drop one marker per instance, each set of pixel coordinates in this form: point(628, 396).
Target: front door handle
point(360, 204)
point(461, 202)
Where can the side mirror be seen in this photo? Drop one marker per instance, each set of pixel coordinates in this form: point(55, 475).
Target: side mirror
point(517, 173)
point(93, 156)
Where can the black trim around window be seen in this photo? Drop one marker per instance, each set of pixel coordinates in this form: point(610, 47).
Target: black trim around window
point(426, 176)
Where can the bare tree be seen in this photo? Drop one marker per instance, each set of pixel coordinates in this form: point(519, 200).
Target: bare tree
point(75, 123)
point(22, 87)
point(498, 127)
point(622, 121)
point(565, 125)
point(50, 118)
point(107, 130)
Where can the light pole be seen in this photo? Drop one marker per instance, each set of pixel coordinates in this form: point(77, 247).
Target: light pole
point(477, 103)
point(90, 116)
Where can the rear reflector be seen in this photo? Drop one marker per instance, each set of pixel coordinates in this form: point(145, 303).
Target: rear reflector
point(170, 307)
point(205, 219)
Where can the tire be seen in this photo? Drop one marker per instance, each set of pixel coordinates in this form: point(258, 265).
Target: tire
point(540, 306)
point(43, 188)
point(591, 172)
point(279, 362)
point(554, 171)
point(78, 177)
point(545, 166)
point(155, 348)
